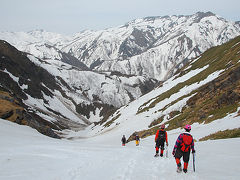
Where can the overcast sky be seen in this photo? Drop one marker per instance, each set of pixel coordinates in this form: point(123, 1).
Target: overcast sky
point(71, 16)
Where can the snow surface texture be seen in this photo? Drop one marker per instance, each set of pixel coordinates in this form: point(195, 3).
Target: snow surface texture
point(152, 47)
point(25, 155)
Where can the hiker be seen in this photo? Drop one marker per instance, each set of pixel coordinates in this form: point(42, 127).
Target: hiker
point(160, 138)
point(182, 148)
point(137, 139)
point(123, 140)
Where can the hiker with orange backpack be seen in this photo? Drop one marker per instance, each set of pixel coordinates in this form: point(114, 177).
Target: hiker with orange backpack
point(160, 138)
point(182, 148)
point(137, 139)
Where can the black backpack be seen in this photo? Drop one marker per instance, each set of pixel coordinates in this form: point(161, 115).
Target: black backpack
point(161, 136)
point(137, 138)
point(123, 140)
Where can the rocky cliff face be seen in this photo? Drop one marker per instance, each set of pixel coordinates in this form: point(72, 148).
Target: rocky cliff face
point(17, 71)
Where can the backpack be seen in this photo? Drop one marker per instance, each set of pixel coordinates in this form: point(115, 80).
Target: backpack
point(187, 141)
point(123, 140)
point(137, 138)
point(161, 136)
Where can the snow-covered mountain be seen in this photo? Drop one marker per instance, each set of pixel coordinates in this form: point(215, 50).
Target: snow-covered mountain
point(64, 96)
point(152, 47)
point(53, 89)
point(85, 77)
point(205, 93)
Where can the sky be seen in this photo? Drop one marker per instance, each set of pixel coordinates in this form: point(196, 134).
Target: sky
point(72, 16)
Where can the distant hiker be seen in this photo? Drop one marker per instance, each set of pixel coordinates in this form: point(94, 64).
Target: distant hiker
point(124, 140)
point(182, 148)
point(160, 138)
point(137, 139)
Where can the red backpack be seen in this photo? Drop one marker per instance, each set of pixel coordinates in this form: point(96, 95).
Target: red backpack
point(187, 141)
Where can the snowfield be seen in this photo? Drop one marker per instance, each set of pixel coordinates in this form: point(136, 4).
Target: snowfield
point(25, 155)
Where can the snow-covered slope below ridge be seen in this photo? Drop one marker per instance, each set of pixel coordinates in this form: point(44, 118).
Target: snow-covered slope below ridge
point(152, 46)
point(205, 93)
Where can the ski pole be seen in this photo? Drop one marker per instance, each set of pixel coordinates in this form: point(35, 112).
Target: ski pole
point(167, 152)
point(194, 162)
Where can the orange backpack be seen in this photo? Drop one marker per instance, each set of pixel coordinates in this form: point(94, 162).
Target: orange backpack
point(187, 141)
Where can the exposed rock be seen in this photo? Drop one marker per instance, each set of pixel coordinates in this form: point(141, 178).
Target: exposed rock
point(228, 98)
point(40, 124)
point(224, 86)
point(37, 81)
point(7, 114)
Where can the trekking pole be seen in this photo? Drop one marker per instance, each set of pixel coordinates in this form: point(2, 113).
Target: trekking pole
point(194, 162)
point(167, 152)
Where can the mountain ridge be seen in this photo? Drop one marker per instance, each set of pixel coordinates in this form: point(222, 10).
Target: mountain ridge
point(140, 48)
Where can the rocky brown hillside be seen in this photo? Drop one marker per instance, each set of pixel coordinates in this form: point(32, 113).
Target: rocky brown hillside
point(37, 82)
point(221, 96)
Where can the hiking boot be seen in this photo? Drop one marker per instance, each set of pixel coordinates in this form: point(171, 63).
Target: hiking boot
point(179, 167)
point(156, 155)
point(185, 170)
point(161, 155)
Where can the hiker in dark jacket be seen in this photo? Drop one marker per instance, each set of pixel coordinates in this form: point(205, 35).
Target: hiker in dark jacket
point(123, 140)
point(182, 148)
point(160, 139)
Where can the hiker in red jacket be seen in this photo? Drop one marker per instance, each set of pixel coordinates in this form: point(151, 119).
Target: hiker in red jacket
point(160, 138)
point(182, 148)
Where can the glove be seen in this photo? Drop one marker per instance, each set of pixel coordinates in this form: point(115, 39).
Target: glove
point(173, 153)
point(167, 143)
point(193, 151)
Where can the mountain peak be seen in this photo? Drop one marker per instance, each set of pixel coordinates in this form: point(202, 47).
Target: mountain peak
point(198, 16)
point(205, 14)
point(36, 30)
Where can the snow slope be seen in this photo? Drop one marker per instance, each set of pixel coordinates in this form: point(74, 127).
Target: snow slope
point(129, 121)
point(25, 155)
point(173, 95)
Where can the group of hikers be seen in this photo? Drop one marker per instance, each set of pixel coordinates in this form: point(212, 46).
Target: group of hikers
point(136, 138)
point(182, 148)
